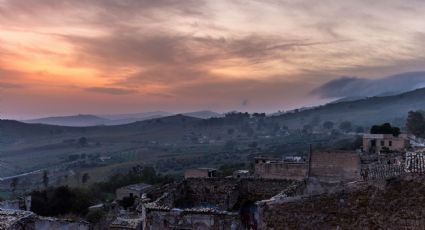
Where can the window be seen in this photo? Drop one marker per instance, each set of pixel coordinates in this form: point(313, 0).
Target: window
point(390, 143)
point(382, 143)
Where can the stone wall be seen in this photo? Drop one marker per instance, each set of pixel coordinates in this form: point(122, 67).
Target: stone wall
point(398, 205)
point(335, 166)
point(281, 170)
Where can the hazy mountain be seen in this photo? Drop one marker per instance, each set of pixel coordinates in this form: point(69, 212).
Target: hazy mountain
point(365, 111)
point(136, 116)
point(204, 114)
point(77, 120)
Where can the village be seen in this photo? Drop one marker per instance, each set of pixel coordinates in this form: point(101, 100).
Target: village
point(205, 199)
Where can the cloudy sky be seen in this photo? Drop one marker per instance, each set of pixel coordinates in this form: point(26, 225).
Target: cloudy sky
point(62, 57)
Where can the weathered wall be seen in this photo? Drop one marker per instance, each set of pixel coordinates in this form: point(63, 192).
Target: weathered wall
point(281, 170)
point(195, 173)
point(335, 166)
point(398, 206)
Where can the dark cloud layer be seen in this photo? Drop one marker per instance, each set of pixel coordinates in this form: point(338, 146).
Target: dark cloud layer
point(356, 87)
point(111, 90)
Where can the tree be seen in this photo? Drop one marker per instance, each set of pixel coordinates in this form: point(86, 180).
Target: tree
point(14, 184)
point(85, 178)
point(83, 141)
point(328, 125)
point(359, 129)
point(415, 123)
point(46, 178)
point(346, 126)
point(385, 128)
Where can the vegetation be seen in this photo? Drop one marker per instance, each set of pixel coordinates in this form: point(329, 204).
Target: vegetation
point(385, 128)
point(415, 123)
point(346, 126)
point(62, 201)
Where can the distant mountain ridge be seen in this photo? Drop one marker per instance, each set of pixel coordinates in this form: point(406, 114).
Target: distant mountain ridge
point(78, 120)
point(86, 120)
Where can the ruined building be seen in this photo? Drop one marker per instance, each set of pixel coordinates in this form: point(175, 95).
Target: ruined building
point(376, 143)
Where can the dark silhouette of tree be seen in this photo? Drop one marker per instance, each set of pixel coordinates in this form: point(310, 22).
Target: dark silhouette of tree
point(14, 184)
point(85, 178)
point(385, 128)
point(415, 123)
point(328, 125)
point(346, 126)
point(83, 141)
point(46, 178)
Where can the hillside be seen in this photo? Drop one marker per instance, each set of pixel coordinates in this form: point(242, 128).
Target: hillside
point(364, 112)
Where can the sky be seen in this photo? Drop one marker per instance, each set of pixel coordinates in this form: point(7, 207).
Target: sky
point(62, 57)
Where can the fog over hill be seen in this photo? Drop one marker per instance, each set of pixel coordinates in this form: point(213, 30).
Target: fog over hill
point(353, 88)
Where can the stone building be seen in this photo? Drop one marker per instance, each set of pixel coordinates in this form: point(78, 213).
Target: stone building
point(272, 168)
point(200, 173)
point(376, 143)
point(134, 190)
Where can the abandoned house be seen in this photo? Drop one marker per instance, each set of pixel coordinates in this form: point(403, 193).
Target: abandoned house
point(377, 143)
point(134, 190)
point(200, 173)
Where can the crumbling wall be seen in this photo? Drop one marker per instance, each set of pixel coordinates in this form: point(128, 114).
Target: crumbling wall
point(335, 166)
point(399, 205)
point(229, 193)
point(196, 220)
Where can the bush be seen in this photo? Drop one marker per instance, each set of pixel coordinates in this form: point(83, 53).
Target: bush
point(95, 216)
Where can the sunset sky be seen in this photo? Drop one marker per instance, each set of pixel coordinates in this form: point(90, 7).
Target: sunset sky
point(61, 57)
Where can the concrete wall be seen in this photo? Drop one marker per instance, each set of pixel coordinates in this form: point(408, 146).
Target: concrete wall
point(335, 166)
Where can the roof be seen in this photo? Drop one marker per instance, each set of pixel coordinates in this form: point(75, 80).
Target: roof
point(130, 223)
point(8, 217)
point(137, 187)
